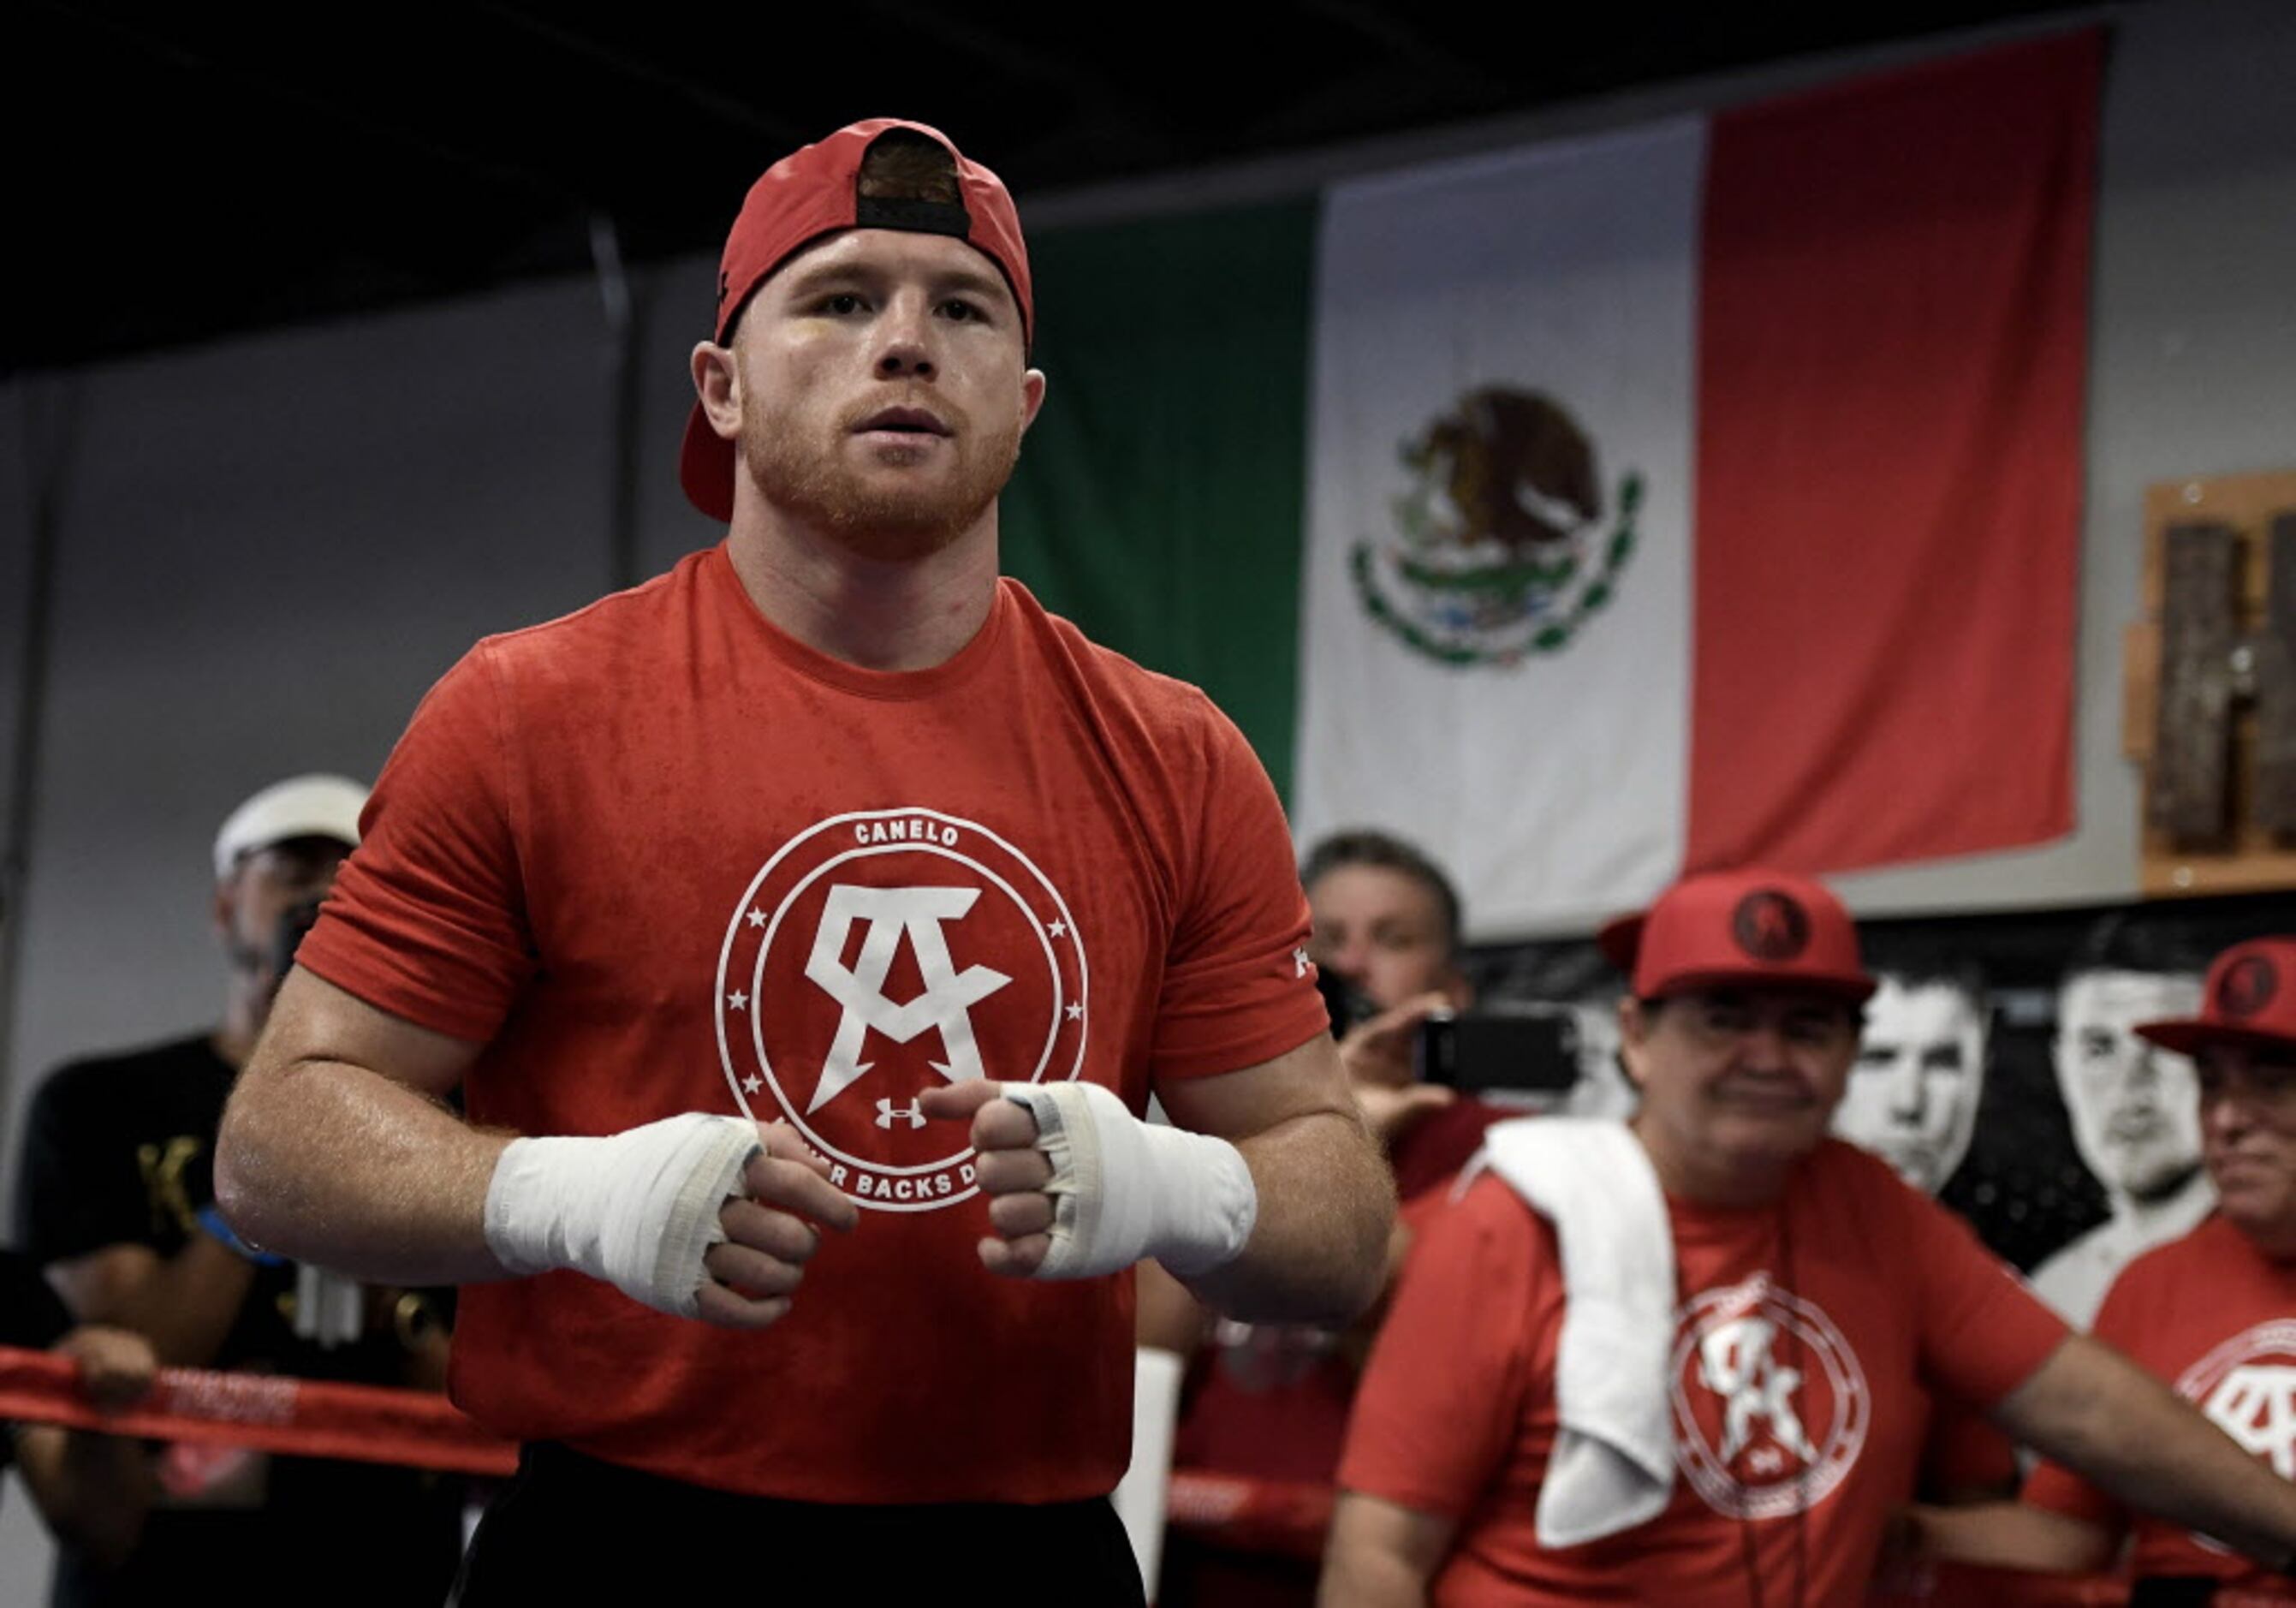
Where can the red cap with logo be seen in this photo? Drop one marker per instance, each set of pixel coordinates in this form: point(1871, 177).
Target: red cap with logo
point(2249, 999)
point(816, 191)
point(1729, 929)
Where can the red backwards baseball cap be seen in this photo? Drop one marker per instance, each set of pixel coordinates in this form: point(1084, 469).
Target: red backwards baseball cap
point(1722, 928)
point(816, 191)
point(2249, 999)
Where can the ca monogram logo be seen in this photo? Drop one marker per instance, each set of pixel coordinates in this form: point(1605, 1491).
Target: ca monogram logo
point(881, 954)
point(893, 912)
point(1770, 1404)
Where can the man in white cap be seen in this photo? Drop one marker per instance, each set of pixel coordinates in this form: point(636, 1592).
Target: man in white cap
point(116, 1202)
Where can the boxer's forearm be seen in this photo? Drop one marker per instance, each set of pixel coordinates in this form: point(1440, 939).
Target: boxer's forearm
point(336, 1149)
point(1318, 1247)
point(2102, 1416)
point(330, 1162)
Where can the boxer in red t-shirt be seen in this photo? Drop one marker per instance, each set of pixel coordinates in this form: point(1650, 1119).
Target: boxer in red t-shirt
point(1695, 1372)
point(2214, 1313)
point(824, 910)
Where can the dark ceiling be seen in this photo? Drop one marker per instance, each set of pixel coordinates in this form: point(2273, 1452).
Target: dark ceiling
point(183, 172)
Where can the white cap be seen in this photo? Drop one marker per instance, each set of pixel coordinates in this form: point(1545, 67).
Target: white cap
point(301, 807)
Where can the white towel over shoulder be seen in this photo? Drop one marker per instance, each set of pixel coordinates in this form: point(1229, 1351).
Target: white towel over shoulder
point(1612, 1466)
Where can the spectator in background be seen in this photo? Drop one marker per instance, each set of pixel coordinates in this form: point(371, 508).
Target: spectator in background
point(116, 1202)
point(1914, 1094)
point(2135, 1120)
point(2213, 1312)
point(1271, 1401)
point(1388, 926)
point(1688, 1360)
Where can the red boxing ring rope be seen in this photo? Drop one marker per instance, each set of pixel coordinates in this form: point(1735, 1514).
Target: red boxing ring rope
point(372, 1424)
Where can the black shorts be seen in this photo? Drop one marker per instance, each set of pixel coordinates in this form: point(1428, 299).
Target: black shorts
point(570, 1528)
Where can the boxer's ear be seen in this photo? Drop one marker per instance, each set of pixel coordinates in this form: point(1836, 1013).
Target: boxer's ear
point(718, 386)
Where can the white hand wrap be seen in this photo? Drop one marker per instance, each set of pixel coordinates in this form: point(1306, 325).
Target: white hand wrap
point(1123, 1189)
point(636, 1208)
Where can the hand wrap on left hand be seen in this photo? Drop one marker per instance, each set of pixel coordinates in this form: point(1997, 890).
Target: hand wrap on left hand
point(1123, 1189)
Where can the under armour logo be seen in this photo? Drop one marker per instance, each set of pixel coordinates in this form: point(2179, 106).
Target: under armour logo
point(912, 1113)
point(725, 287)
point(2256, 1406)
point(1735, 1362)
point(943, 1006)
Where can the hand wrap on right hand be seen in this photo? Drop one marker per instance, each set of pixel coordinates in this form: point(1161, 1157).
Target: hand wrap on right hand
point(637, 1210)
point(1123, 1189)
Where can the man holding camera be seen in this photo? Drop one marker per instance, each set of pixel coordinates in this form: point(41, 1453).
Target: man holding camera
point(1689, 1360)
point(1270, 1400)
point(116, 1202)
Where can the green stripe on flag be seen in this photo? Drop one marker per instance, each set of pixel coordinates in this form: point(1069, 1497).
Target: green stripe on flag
point(1158, 502)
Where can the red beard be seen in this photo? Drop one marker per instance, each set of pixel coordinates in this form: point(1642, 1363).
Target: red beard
point(897, 516)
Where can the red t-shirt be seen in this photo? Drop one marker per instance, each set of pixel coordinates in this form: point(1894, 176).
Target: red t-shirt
point(2214, 1317)
point(659, 857)
point(1806, 1335)
point(1271, 1400)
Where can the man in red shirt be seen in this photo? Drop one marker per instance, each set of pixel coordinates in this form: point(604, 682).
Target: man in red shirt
point(823, 911)
point(1697, 1370)
point(1269, 1401)
point(2214, 1312)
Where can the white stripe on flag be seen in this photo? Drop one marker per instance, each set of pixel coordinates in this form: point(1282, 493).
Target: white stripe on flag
point(1570, 271)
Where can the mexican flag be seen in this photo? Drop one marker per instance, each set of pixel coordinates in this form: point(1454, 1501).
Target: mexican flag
point(1699, 493)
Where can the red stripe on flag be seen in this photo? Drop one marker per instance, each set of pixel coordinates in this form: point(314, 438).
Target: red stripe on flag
point(1892, 343)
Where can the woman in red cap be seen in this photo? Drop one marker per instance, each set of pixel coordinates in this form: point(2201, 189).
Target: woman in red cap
point(1690, 1359)
point(2214, 1312)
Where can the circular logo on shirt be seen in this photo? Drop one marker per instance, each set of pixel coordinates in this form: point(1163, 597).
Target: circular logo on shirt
point(2247, 986)
point(1771, 1406)
point(2247, 1387)
point(1770, 925)
point(879, 955)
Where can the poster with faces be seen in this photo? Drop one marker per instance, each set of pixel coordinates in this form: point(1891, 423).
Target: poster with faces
point(1999, 1070)
point(1914, 1091)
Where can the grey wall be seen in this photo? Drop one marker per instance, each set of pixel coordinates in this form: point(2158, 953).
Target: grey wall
point(270, 550)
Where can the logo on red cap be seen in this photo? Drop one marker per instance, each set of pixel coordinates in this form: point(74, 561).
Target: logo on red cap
point(2247, 986)
point(1770, 925)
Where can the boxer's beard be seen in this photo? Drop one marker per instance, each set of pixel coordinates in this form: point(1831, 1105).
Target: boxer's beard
point(893, 519)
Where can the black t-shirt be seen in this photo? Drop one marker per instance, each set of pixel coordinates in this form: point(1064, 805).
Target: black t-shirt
point(119, 1151)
